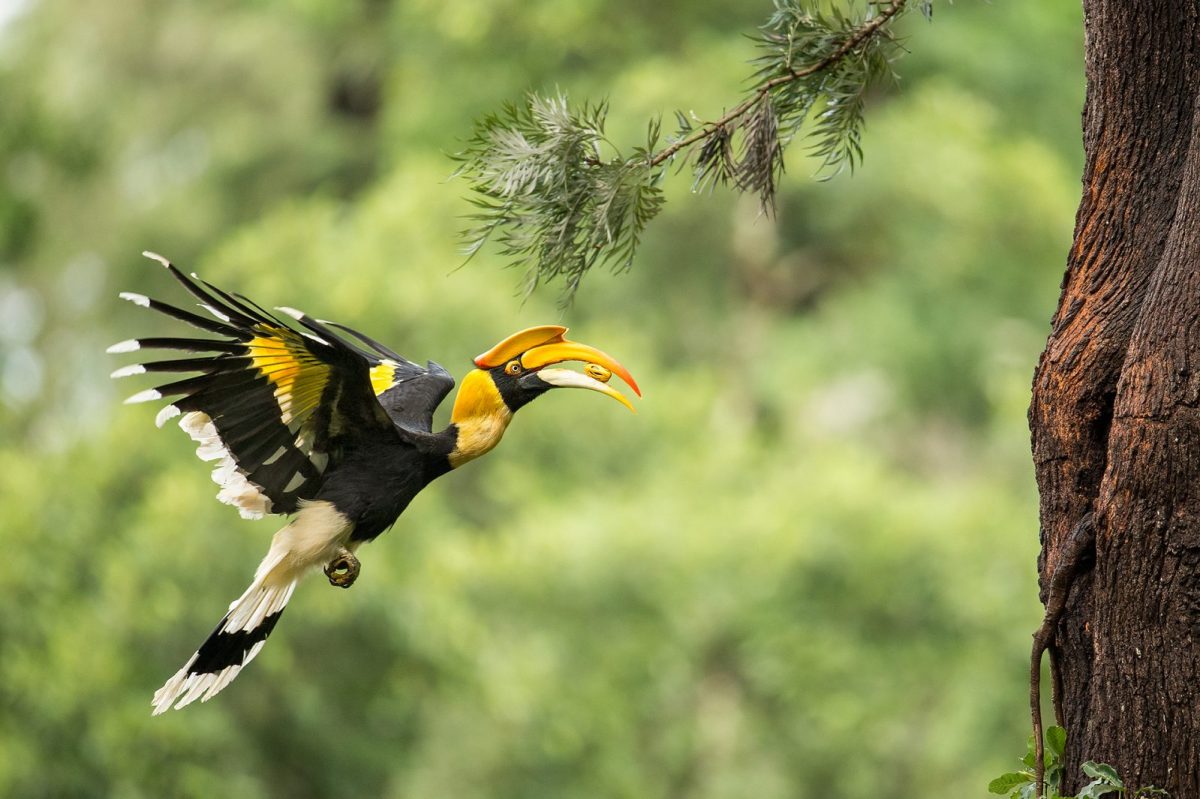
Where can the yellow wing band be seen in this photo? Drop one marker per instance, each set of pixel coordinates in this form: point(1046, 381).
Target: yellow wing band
point(383, 377)
point(298, 376)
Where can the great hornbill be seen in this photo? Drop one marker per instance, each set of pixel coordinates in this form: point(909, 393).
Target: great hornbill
point(326, 424)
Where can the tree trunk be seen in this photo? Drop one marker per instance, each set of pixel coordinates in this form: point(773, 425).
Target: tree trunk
point(1115, 415)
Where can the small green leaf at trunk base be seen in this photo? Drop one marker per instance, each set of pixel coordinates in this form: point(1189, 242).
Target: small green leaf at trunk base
point(1007, 782)
point(1056, 741)
point(1103, 772)
point(1030, 758)
point(1096, 789)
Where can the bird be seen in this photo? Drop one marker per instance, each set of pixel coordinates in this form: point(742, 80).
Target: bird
point(316, 421)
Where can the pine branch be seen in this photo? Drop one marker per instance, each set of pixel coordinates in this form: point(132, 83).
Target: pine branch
point(559, 198)
point(862, 34)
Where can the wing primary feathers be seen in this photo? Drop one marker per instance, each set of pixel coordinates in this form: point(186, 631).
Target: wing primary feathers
point(209, 301)
point(318, 328)
point(128, 371)
point(323, 326)
point(267, 315)
point(206, 365)
point(370, 342)
point(277, 399)
point(228, 382)
point(218, 404)
point(174, 343)
point(192, 319)
point(149, 395)
point(236, 304)
point(128, 345)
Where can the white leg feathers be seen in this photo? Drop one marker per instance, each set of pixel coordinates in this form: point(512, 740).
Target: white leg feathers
point(309, 541)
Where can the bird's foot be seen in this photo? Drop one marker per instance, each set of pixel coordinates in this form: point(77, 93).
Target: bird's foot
point(343, 570)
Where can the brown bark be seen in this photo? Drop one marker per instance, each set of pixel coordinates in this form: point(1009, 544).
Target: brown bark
point(1115, 415)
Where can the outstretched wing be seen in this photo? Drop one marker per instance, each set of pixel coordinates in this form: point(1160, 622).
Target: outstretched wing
point(276, 407)
point(409, 393)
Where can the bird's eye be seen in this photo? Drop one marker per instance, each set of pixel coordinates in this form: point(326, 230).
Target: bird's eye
point(512, 368)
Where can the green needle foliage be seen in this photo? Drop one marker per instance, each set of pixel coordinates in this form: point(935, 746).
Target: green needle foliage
point(548, 194)
point(560, 198)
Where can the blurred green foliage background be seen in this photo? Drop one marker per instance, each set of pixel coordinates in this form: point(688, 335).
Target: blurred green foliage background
point(805, 568)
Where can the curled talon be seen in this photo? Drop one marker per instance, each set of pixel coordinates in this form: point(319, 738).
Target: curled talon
point(343, 570)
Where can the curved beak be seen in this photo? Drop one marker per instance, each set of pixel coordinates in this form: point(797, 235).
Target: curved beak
point(554, 352)
point(565, 378)
point(559, 351)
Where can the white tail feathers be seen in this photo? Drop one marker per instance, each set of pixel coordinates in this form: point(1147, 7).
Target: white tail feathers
point(312, 539)
point(235, 642)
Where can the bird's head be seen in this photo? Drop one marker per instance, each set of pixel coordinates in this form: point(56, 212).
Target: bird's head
point(523, 367)
point(518, 370)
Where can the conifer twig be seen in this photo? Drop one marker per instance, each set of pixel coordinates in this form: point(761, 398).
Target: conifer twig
point(558, 197)
point(862, 34)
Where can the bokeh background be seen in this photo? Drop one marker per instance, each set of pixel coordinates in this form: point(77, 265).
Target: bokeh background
point(805, 568)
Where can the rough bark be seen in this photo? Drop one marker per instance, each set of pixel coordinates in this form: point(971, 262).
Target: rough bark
point(1115, 415)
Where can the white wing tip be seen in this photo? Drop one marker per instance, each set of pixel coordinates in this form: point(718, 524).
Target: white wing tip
point(153, 256)
point(292, 312)
point(128, 345)
point(149, 395)
point(136, 299)
point(169, 412)
point(129, 371)
point(222, 316)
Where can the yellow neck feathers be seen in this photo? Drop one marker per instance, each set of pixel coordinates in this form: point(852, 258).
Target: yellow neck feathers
point(481, 417)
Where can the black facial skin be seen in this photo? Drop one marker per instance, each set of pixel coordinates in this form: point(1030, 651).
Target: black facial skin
point(520, 389)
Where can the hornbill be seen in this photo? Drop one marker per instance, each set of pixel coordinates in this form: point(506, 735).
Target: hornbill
point(319, 422)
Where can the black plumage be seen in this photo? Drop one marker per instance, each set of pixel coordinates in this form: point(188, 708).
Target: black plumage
point(318, 421)
point(287, 404)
